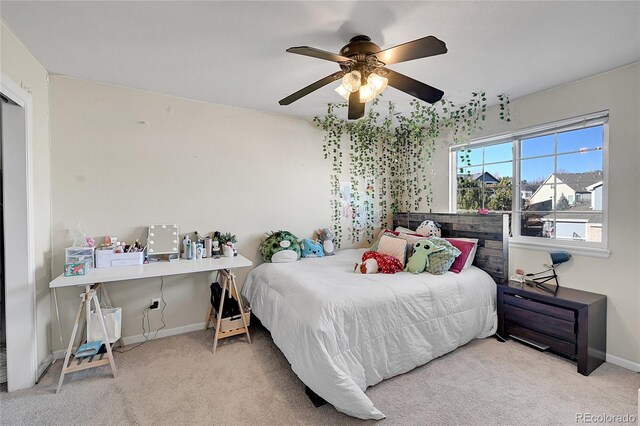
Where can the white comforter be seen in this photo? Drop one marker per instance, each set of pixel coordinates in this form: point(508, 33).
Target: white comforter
point(343, 332)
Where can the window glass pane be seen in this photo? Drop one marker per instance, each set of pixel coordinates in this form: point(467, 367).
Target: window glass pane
point(583, 162)
point(576, 226)
point(498, 197)
point(536, 170)
point(498, 173)
point(542, 145)
point(469, 157)
point(470, 177)
point(469, 200)
point(541, 198)
point(501, 152)
point(532, 225)
point(581, 139)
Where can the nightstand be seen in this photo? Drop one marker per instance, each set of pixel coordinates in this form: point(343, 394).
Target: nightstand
point(570, 322)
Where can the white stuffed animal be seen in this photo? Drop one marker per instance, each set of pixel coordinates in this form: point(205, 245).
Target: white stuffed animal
point(369, 266)
point(429, 229)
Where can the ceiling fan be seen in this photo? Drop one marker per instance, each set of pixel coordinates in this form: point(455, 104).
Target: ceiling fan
point(364, 74)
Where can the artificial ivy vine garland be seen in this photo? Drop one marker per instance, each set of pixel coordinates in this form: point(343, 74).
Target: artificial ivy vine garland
point(389, 156)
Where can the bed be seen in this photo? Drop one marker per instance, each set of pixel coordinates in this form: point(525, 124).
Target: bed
point(343, 332)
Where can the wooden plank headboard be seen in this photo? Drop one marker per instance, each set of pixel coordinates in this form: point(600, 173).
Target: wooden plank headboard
point(492, 232)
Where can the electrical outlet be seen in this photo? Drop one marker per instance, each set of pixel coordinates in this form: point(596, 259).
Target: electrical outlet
point(155, 303)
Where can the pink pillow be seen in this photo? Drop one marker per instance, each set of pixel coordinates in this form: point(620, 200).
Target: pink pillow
point(465, 247)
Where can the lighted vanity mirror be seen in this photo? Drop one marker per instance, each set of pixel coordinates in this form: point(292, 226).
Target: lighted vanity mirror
point(163, 239)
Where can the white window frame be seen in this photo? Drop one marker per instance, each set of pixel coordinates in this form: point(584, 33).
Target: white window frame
point(594, 249)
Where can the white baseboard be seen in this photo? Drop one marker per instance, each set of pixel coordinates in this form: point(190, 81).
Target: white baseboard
point(624, 363)
point(128, 340)
point(165, 333)
point(46, 363)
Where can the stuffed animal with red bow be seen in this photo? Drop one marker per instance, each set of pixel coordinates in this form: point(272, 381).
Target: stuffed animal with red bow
point(374, 262)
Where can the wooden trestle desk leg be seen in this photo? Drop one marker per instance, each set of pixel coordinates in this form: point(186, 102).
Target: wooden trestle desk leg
point(71, 340)
point(239, 300)
point(86, 297)
point(228, 284)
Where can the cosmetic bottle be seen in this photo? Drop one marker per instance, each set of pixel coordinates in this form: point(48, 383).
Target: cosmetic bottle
point(186, 247)
point(207, 247)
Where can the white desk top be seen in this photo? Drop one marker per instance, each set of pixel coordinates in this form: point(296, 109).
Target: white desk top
point(156, 269)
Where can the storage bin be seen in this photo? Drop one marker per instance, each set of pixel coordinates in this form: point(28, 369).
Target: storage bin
point(232, 323)
point(107, 258)
point(79, 255)
point(113, 322)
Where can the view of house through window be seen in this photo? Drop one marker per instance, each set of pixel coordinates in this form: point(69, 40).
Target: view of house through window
point(556, 178)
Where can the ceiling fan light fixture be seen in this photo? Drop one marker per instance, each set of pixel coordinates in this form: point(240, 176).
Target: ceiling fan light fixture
point(340, 90)
point(377, 82)
point(351, 81)
point(367, 93)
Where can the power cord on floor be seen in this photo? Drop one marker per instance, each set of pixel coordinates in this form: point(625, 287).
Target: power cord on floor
point(145, 314)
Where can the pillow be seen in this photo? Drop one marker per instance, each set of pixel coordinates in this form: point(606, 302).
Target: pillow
point(392, 246)
point(441, 261)
point(410, 238)
point(387, 232)
point(405, 230)
point(429, 229)
point(465, 247)
point(386, 264)
point(472, 255)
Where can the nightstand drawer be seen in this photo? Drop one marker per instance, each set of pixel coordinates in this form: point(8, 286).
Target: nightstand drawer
point(561, 346)
point(555, 327)
point(552, 311)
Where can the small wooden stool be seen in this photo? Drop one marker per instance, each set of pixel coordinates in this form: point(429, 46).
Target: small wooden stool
point(228, 283)
point(87, 296)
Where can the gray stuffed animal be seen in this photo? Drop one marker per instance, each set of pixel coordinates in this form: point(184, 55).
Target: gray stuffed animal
point(327, 241)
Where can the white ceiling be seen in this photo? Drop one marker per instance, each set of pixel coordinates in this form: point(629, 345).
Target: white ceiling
point(233, 53)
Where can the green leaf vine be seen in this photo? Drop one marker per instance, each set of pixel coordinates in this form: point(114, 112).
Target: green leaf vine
point(390, 157)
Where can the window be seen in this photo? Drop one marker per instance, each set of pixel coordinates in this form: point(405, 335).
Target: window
point(557, 172)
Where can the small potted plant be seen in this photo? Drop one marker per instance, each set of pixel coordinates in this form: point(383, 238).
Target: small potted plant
point(228, 243)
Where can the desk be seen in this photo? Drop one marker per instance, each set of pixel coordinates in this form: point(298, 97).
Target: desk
point(99, 276)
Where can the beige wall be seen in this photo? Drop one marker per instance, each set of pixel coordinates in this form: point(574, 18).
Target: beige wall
point(205, 167)
point(619, 276)
point(18, 64)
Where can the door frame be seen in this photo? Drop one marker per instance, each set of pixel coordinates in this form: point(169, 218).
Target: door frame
point(22, 367)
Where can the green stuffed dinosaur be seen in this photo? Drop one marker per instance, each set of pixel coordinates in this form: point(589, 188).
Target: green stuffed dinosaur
point(419, 260)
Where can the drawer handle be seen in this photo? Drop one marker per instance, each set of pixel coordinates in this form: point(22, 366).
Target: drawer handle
point(531, 343)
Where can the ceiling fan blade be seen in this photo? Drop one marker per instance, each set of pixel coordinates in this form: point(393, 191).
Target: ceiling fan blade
point(311, 88)
point(413, 87)
point(318, 53)
point(421, 48)
point(356, 108)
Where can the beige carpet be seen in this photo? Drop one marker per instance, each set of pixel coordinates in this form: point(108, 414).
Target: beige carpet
point(177, 380)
